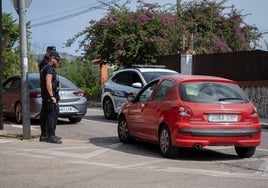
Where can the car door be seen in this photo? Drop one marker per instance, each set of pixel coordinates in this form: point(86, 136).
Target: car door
point(11, 94)
point(122, 87)
point(136, 113)
point(153, 110)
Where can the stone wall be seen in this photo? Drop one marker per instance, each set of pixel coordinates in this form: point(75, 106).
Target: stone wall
point(259, 97)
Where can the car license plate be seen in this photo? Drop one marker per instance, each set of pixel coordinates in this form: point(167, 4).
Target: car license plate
point(68, 109)
point(222, 117)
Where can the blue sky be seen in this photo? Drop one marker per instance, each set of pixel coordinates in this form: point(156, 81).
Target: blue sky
point(57, 33)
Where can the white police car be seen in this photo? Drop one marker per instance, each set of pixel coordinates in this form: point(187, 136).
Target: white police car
point(126, 82)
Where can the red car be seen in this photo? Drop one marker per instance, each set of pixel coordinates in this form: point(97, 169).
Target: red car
point(191, 111)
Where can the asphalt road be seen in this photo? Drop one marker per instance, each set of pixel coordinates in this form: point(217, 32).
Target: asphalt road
point(92, 156)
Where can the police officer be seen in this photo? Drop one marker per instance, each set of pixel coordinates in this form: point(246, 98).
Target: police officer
point(49, 90)
point(43, 115)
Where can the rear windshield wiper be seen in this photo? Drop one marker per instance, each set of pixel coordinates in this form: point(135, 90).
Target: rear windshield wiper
point(230, 98)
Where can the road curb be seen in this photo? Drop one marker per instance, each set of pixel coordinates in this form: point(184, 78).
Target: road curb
point(264, 125)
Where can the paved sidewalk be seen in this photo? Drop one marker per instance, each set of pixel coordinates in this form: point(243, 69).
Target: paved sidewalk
point(16, 131)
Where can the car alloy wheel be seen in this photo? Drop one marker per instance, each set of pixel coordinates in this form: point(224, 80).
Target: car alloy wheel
point(18, 113)
point(123, 132)
point(108, 109)
point(166, 148)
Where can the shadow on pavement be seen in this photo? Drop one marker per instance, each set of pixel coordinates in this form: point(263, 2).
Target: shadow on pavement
point(152, 150)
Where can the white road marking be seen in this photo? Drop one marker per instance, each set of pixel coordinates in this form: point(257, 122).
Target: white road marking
point(104, 123)
point(260, 149)
point(95, 164)
point(214, 173)
point(4, 141)
point(56, 152)
point(34, 128)
point(137, 165)
point(148, 165)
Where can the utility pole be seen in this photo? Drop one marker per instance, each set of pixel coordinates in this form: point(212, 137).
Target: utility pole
point(24, 73)
point(1, 71)
point(21, 10)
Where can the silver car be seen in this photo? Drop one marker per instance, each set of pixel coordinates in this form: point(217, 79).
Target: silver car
point(72, 105)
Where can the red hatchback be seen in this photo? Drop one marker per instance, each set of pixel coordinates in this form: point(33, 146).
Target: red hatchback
point(191, 111)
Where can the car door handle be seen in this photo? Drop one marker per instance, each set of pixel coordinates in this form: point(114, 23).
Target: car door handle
point(142, 106)
point(158, 109)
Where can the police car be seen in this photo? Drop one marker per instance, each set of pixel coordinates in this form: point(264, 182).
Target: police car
point(127, 82)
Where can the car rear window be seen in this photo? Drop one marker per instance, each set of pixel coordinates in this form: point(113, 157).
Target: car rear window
point(65, 83)
point(210, 92)
point(34, 83)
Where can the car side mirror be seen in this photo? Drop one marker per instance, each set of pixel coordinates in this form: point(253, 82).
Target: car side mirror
point(131, 98)
point(137, 85)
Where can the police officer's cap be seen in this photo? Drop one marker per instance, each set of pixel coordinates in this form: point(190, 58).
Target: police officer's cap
point(51, 49)
point(55, 55)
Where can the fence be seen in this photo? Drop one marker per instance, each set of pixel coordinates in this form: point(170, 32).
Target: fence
point(238, 66)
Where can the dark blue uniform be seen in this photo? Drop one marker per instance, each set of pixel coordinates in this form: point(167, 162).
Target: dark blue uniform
point(43, 63)
point(49, 111)
point(43, 115)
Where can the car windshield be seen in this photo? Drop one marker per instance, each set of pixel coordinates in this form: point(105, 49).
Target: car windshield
point(210, 92)
point(149, 76)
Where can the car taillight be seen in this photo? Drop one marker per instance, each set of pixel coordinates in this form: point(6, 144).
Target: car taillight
point(185, 111)
point(35, 94)
point(79, 93)
point(254, 115)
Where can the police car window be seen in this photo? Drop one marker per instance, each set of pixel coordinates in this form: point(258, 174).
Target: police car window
point(146, 94)
point(123, 78)
point(136, 78)
point(149, 76)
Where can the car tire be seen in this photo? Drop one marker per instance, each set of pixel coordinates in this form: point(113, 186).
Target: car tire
point(165, 144)
point(18, 113)
point(108, 109)
point(123, 131)
point(245, 152)
point(75, 120)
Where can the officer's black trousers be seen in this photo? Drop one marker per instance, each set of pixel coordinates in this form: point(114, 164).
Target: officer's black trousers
point(48, 117)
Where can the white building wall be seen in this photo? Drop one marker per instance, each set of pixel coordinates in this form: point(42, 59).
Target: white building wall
point(186, 64)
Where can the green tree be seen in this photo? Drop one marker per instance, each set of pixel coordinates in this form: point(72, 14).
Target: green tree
point(87, 78)
point(11, 50)
point(10, 35)
point(124, 37)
